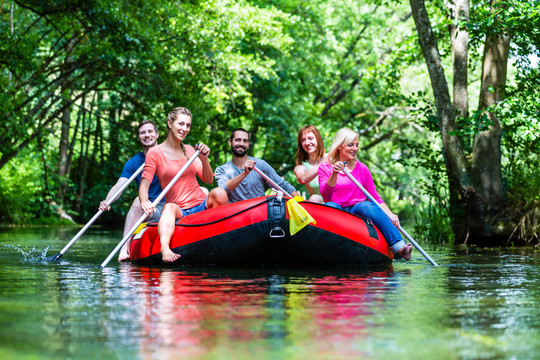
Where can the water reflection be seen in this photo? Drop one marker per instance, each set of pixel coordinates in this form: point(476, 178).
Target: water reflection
point(193, 313)
point(479, 303)
point(493, 301)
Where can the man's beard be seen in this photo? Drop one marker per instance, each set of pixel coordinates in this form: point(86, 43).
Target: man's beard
point(239, 152)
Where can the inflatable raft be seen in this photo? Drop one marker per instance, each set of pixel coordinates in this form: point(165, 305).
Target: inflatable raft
point(256, 232)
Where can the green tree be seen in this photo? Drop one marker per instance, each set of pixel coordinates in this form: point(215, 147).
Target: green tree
point(79, 75)
point(481, 209)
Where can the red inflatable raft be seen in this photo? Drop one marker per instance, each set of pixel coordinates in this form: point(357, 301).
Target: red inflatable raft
point(256, 232)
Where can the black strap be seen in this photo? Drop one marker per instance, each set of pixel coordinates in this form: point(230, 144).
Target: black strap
point(371, 229)
point(276, 214)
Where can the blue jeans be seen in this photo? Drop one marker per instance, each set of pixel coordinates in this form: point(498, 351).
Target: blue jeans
point(371, 211)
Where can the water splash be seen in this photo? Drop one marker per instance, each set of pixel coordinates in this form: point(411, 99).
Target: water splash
point(30, 255)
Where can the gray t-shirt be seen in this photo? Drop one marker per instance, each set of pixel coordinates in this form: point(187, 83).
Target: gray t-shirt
point(253, 185)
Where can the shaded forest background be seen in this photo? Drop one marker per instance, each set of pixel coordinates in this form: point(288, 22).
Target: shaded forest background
point(445, 99)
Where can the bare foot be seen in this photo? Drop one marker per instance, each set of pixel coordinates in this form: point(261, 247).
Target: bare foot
point(405, 252)
point(124, 256)
point(167, 256)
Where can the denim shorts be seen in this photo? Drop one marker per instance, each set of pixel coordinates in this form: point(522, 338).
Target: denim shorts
point(157, 214)
point(195, 209)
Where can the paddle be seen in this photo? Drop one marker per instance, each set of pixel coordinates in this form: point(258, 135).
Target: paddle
point(271, 182)
point(156, 201)
point(368, 195)
point(98, 214)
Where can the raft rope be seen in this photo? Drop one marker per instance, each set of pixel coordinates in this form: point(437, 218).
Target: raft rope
point(367, 220)
point(228, 216)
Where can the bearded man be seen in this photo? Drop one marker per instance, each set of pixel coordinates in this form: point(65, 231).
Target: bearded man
point(236, 176)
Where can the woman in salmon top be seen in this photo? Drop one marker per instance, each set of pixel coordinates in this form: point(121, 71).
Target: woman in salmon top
point(340, 192)
point(185, 197)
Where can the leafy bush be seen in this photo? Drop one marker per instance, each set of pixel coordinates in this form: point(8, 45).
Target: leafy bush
point(21, 191)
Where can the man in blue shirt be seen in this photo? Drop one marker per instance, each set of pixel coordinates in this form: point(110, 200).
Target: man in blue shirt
point(147, 134)
point(236, 176)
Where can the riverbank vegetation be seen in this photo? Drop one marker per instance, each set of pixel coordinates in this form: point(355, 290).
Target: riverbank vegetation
point(445, 99)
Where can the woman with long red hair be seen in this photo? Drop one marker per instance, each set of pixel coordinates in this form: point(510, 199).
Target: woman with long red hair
point(309, 156)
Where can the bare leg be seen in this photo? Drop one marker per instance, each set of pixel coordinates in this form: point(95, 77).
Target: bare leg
point(217, 197)
point(316, 198)
point(134, 214)
point(166, 225)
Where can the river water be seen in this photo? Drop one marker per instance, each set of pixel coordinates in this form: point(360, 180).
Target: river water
point(478, 304)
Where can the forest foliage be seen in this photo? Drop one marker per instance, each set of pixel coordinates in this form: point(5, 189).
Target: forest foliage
point(79, 75)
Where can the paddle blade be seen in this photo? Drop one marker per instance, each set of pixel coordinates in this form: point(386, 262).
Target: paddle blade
point(138, 230)
point(298, 216)
point(54, 258)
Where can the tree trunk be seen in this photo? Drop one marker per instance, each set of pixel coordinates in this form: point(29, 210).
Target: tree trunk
point(486, 157)
point(11, 32)
point(487, 144)
point(46, 194)
point(73, 141)
point(455, 160)
point(64, 151)
point(476, 190)
point(459, 37)
point(113, 135)
point(457, 167)
point(83, 158)
point(459, 45)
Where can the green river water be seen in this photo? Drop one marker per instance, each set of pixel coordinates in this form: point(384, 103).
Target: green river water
point(478, 304)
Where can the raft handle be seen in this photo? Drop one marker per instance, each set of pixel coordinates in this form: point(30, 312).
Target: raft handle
point(277, 232)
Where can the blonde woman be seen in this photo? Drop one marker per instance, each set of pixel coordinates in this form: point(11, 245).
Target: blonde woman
point(309, 156)
point(340, 192)
point(185, 197)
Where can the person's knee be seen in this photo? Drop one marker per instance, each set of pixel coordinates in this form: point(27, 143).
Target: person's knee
point(171, 210)
point(136, 207)
point(361, 209)
point(169, 207)
point(369, 210)
point(217, 197)
point(316, 198)
point(170, 213)
point(333, 204)
point(136, 202)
